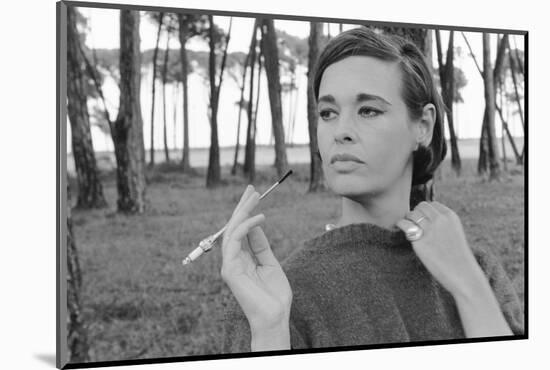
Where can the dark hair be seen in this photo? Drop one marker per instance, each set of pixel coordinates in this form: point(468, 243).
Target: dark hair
point(418, 90)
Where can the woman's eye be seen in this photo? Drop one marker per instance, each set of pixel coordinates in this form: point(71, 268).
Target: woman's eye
point(369, 112)
point(327, 114)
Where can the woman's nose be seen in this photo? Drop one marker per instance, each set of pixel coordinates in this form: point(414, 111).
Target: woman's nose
point(345, 132)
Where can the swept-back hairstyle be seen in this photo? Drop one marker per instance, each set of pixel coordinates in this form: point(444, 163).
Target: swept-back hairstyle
point(418, 90)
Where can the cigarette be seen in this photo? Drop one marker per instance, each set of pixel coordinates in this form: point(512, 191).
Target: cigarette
point(207, 243)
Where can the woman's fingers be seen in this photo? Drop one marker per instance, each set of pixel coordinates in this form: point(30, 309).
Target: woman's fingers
point(405, 224)
point(259, 245)
point(428, 210)
point(233, 244)
point(418, 217)
point(246, 194)
point(242, 213)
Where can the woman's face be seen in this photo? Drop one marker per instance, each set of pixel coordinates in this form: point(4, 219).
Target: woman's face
point(362, 114)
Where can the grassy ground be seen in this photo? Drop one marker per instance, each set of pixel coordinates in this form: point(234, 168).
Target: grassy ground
point(138, 300)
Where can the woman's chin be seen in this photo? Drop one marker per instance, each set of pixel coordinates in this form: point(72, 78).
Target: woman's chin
point(350, 187)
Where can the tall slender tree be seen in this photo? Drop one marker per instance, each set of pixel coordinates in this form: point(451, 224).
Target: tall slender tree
point(90, 190)
point(484, 142)
point(249, 132)
point(164, 74)
point(271, 58)
point(489, 88)
point(241, 107)
point(183, 37)
point(189, 26)
point(128, 127)
point(447, 78)
point(316, 171)
point(252, 171)
point(513, 69)
point(175, 111)
point(77, 333)
point(155, 55)
point(213, 176)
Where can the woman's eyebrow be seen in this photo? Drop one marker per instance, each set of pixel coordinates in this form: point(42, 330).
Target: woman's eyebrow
point(361, 97)
point(368, 97)
point(327, 99)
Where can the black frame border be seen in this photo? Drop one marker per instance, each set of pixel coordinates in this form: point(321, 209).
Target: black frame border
point(61, 196)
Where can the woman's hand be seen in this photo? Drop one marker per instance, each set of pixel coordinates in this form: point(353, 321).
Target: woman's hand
point(254, 275)
point(444, 251)
point(443, 248)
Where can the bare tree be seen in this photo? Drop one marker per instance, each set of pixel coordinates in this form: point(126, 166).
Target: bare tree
point(489, 88)
point(447, 78)
point(90, 190)
point(189, 26)
point(496, 76)
point(513, 69)
point(128, 127)
point(271, 58)
point(252, 172)
point(213, 176)
point(155, 54)
point(164, 73)
point(249, 131)
point(241, 105)
point(316, 171)
point(77, 333)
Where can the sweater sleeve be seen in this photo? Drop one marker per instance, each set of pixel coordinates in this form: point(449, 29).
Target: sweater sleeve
point(236, 330)
point(503, 289)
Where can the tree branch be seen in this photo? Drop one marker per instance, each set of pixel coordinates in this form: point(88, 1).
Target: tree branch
point(472, 54)
point(92, 72)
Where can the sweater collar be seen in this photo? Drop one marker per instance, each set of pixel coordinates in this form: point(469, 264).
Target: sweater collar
point(365, 234)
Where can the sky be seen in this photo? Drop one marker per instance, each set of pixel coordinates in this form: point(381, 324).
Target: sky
point(104, 33)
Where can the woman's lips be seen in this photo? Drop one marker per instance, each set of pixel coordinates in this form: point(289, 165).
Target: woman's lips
point(344, 157)
point(345, 162)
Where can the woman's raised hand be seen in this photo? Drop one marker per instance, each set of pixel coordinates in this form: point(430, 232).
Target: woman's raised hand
point(443, 248)
point(252, 272)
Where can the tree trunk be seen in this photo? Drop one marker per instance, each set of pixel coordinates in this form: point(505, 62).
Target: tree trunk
point(183, 37)
point(315, 171)
point(516, 91)
point(503, 126)
point(509, 135)
point(271, 58)
point(241, 102)
point(294, 110)
point(483, 147)
point(77, 334)
point(164, 73)
point(90, 190)
point(252, 172)
point(493, 155)
point(446, 75)
point(248, 148)
point(155, 54)
point(213, 176)
point(175, 120)
point(128, 127)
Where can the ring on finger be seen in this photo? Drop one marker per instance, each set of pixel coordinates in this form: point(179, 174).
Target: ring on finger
point(417, 217)
point(414, 232)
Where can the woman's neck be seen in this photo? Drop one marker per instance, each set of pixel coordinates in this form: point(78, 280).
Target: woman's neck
point(383, 210)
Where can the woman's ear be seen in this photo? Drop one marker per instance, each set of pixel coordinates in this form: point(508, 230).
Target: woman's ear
point(425, 126)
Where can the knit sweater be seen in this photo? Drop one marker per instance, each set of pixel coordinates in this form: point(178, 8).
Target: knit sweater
point(363, 284)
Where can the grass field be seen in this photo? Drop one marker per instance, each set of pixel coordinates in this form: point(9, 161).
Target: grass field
point(140, 302)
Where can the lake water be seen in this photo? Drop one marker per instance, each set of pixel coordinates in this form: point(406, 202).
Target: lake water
point(265, 155)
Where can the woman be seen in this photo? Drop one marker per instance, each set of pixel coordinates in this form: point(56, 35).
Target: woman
point(383, 273)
